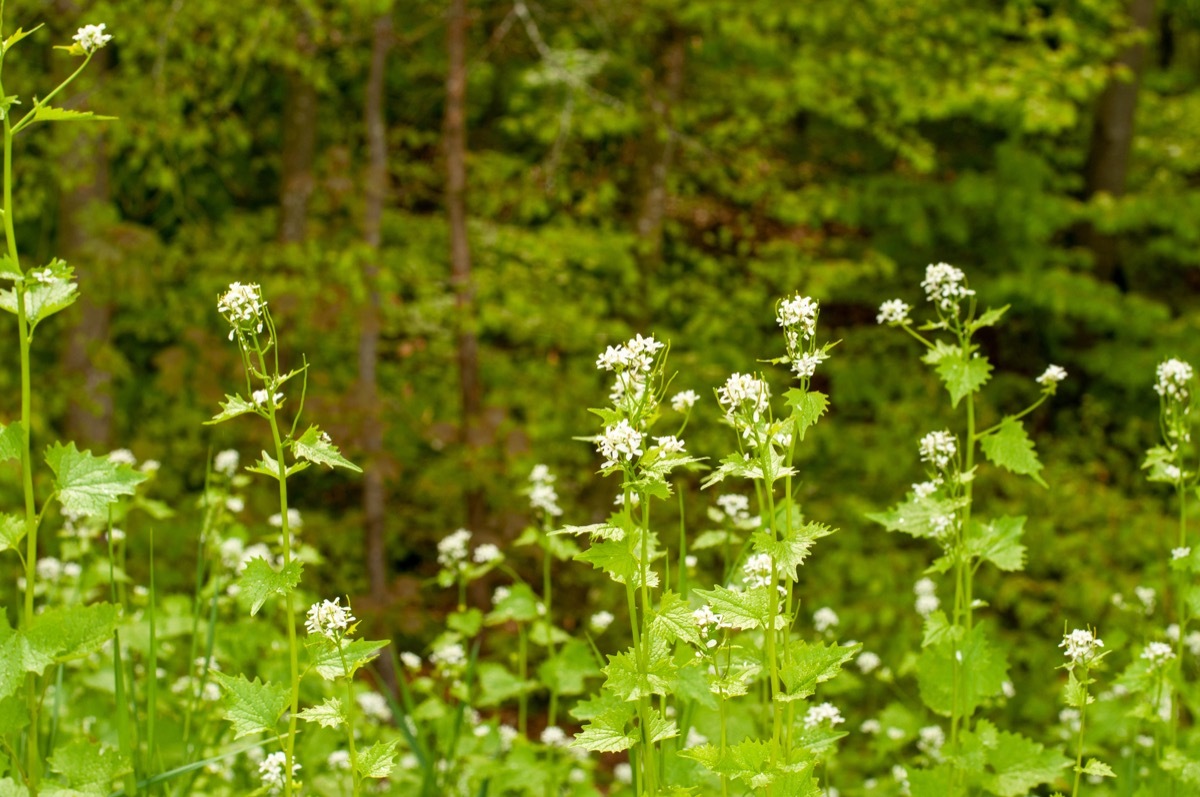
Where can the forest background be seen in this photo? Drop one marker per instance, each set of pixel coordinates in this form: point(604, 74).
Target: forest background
point(453, 207)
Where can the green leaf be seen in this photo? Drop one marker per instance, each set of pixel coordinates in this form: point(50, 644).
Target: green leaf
point(809, 664)
point(498, 685)
point(377, 761)
point(14, 715)
point(89, 767)
point(252, 706)
point(673, 619)
point(12, 441)
point(1010, 448)
point(630, 681)
point(71, 632)
point(998, 542)
point(807, 408)
point(20, 34)
point(467, 622)
point(327, 660)
point(597, 531)
point(567, 671)
point(739, 608)
point(260, 581)
point(232, 407)
point(12, 531)
point(915, 515)
point(48, 113)
point(47, 291)
point(659, 727)
point(520, 605)
point(8, 268)
point(87, 485)
point(1097, 769)
point(608, 731)
point(963, 376)
point(328, 714)
point(10, 788)
point(1019, 764)
point(315, 446)
point(982, 672)
point(988, 319)
point(936, 782)
point(621, 559)
point(792, 548)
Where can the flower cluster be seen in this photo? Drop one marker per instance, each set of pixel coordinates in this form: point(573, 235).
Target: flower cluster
point(893, 311)
point(1174, 380)
point(1082, 646)
point(633, 361)
point(758, 570)
point(1158, 654)
point(824, 713)
point(938, 449)
point(684, 401)
point(226, 462)
point(1052, 376)
point(619, 440)
point(244, 307)
point(600, 621)
point(452, 549)
point(825, 619)
point(329, 618)
point(927, 600)
point(448, 658)
point(542, 495)
point(486, 554)
point(92, 37)
point(744, 393)
point(707, 620)
point(945, 286)
point(270, 770)
point(799, 314)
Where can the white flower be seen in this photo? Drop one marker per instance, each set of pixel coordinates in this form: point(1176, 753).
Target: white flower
point(243, 306)
point(452, 549)
point(329, 618)
point(893, 311)
point(1181, 553)
point(930, 741)
point(871, 726)
point(1172, 472)
point(1147, 596)
point(620, 440)
point(800, 312)
point(500, 594)
point(338, 759)
point(669, 444)
point(826, 712)
point(757, 572)
point(411, 660)
point(1052, 376)
point(694, 738)
point(1158, 653)
point(1008, 690)
point(151, 466)
point(295, 520)
point(899, 773)
point(945, 286)
point(806, 364)
point(868, 662)
point(636, 354)
point(49, 569)
point(91, 38)
point(735, 506)
point(122, 456)
point(1174, 379)
point(260, 398)
point(744, 391)
point(554, 736)
point(72, 570)
point(486, 554)
point(682, 402)
point(927, 604)
point(600, 621)
point(374, 706)
point(234, 504)
point(926, 489)
point(825, 619)
point(541, 475)
point(1082, 646)
point(449, 657)
point(271, 770)
point(706, 620)
point(938, 448)
point(226, 462)
point(623, 773)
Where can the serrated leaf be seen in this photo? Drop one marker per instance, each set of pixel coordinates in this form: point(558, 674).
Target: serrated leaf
point(963, 375)
point(260, 581)
point(89, 767)
point(915, 516)
point(251, 706)
point(982, 672)
point(1019, 764)
point(1097, 769)
point(10, 788)
point(44, 299)
point(998, 542)
point(988, 319)
point(659, 727)
point(792, 548)
point(567, 671)
point(232, 407)
point(627, 679)
point(315, 446)
point(739, 609)
point(327, 660)
point(807, 408)
point(377, 761)
point(673, 619)
point(808, 664)
point(1010, 448)
point(597, 531)
point(70, 632)
point(937, 628)
point(608, 731)
point(87, 485)
point(12, 531)
point(520, 605)
point(20, 34)
point(8, 267)
point(328, 714)
point(498, 685)
point(12, 441)
point(620, 559)
point(936, 782)
point(48, 113)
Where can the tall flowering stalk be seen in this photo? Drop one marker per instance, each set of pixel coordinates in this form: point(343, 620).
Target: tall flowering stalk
point(1083, 655)
point(961, 665)
point(253, 329)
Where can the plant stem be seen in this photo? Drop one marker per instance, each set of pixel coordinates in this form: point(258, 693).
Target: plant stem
point(523, 673)
point(350, 719)
point(1079, 743)
point(548, 602)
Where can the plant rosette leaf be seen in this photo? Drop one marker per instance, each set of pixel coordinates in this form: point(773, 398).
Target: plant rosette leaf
point(87, 485)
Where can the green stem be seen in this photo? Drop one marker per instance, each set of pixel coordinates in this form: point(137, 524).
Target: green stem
point(523, 672)
point(1079, 743)
point(350, 719)
point(773, 612)
point(548, 601)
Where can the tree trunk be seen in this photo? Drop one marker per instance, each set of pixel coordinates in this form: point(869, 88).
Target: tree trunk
point(375, 186)
point(1112, 142)
point(299, 145)
point(659, 151)
point(460, 255)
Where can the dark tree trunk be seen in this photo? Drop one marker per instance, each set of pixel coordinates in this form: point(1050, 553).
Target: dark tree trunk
point(375, 185)
point(659, 150)
point(1112, 143)
point(299, 148)
point(460, 256)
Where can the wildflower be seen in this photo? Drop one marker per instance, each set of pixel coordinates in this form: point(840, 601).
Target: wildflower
point(690, 561)
point(758, 570)
point(1158, 653)
point(500, 594)
point(799, 312)
point(295, 520)
point(927, 604)
point(620, 440)
point(1174, 379)
point(868, 662)
point(122, 456)
point(235, 504)
point(694, 738)
point(623, 773)
point(374, 706)
point(1052, 376)
point(554, 736)
point(893, 311)
point(706, 620)
point(486, 554)
point(743, 391)
point(261, 397)
point(938, 448)
point(1147, 596)
point(91, 38)
point(735, 506)
point(1082, 646)
point(452, 549)
point(72, 570)
point(600, 621)
point(542, 495)
point(448, 657)
point(151, 466)
point(1181, 553)
point(1172, 472)
point(926, 489)
point(271, 771)
point(682, 402)
point(945, 286)
point(1008, 690)
point(824, 619)
point(338, 759)
point(636, 354)
point(508, 735)
point(826, 712)
point(930, 741)
point(226, 462)
point(669, 444)
point(243, 307)
point(871, 726)
point(49, 569)
point(806, 364)
point(411, 660)
point(941, 524)
point(329, 618)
